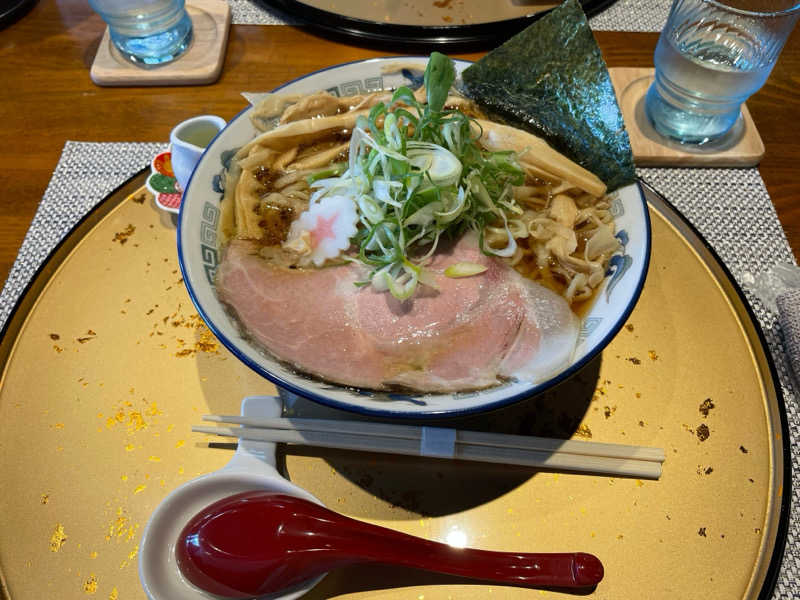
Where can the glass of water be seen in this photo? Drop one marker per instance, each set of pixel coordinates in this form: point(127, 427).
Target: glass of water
point(712, 55)
point(147, 32)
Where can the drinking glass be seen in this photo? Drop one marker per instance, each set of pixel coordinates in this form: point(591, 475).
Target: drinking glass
point(711, 56)
point(147, 32)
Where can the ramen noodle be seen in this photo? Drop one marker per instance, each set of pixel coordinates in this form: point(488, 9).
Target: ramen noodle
point(553, 222)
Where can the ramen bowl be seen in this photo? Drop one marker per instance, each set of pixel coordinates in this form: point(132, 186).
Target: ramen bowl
point(199, 257)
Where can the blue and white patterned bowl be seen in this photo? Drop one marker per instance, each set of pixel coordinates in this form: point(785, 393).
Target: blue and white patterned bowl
point(198, 255)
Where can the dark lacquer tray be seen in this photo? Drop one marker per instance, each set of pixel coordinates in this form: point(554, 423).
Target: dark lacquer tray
point(416, 25)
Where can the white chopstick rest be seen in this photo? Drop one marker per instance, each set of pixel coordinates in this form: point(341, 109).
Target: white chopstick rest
point(437, 441)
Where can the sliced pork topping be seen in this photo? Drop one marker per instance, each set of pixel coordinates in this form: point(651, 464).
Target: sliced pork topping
point(470, 333)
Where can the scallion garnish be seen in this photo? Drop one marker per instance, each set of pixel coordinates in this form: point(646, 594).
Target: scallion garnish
point(415, 173)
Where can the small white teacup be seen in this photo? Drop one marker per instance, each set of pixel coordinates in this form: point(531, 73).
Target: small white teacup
point(188, 141)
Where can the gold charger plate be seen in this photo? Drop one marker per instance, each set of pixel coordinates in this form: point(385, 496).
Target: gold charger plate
point(106, 365)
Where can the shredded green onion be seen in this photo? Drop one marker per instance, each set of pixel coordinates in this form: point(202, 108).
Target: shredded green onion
point(416, 176)
point(464, 269)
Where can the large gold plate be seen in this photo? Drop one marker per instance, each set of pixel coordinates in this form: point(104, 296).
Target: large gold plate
point(105, 366)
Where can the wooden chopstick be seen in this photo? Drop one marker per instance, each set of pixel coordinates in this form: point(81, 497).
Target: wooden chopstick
point(477, 438)
point(573, 455)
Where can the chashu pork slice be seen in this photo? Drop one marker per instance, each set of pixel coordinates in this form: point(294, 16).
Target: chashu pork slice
point(471, 333)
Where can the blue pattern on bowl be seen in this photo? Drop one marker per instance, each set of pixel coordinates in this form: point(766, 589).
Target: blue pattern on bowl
point(199, 259)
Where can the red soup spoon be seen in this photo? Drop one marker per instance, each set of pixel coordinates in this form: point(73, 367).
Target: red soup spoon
point(257, 543)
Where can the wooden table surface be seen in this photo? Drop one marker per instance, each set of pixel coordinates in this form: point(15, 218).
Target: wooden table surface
point(48, 98)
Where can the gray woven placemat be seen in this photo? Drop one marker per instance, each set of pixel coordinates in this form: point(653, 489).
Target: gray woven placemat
point(730, 207)
point(624, 15)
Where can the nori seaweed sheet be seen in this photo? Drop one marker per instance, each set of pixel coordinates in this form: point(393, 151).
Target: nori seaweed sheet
point(551, 80)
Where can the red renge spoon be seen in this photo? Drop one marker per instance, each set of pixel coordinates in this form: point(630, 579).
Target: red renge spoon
point(258, 543)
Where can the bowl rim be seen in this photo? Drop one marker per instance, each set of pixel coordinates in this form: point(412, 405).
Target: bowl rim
point(438, 412)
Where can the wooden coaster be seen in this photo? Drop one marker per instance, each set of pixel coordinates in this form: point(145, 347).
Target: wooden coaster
point(741, 147)
point(200, 64)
